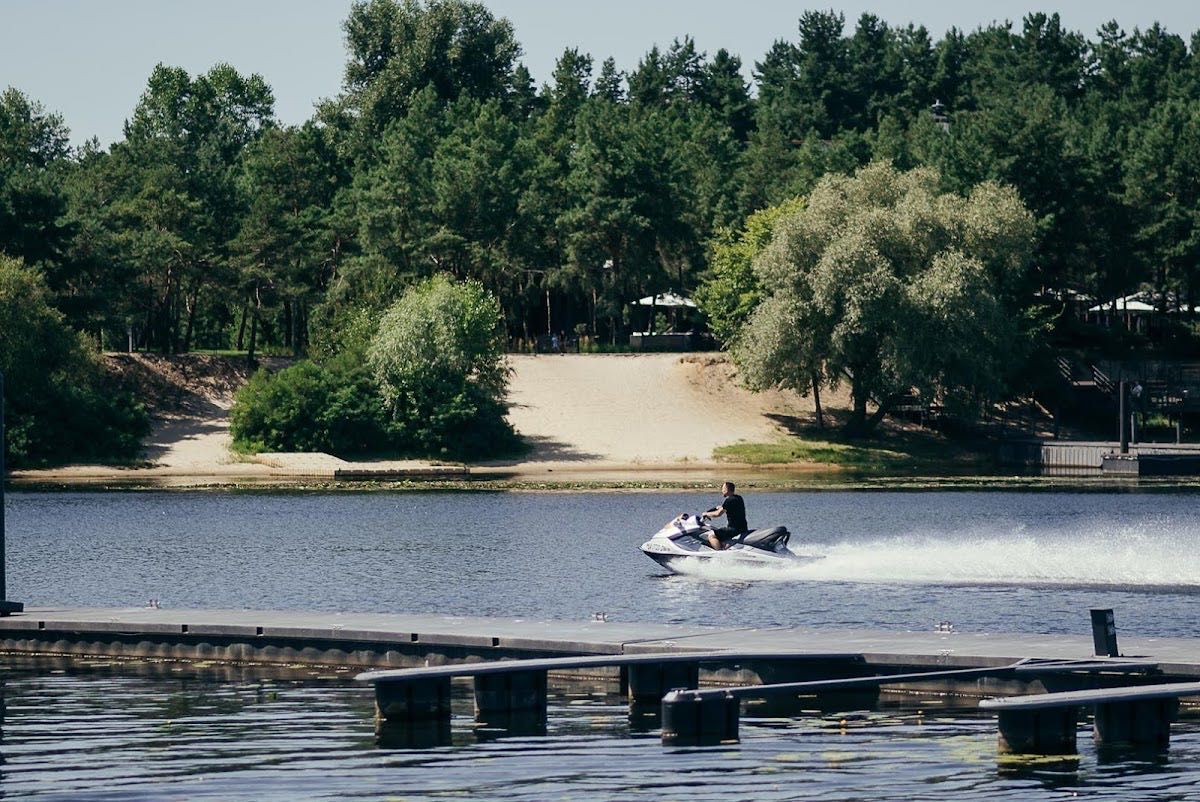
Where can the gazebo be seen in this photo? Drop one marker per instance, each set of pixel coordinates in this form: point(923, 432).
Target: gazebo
point(1132, 308)
point(650, 340)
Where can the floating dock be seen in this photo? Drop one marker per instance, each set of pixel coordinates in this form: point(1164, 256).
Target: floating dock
point(1070, 457)
point(509, 662)
point(381, 640)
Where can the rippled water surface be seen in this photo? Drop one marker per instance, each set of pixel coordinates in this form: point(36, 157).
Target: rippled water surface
point(1009, 562)
point(96, 731)
point(1026, 562)
point(149, 732)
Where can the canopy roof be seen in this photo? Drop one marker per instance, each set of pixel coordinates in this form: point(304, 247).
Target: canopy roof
point(667, 299)
point(1130, 303)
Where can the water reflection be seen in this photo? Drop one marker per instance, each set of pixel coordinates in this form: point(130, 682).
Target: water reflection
point(1051, 772)
point(412, 734)
point(160, 730)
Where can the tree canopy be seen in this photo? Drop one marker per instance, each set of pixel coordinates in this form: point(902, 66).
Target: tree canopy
point(59, 405)
point(884, 281)
point(438, 358)
point(212, 225)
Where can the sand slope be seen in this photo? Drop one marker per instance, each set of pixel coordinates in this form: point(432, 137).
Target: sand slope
point(608, 416)
point(644, 408)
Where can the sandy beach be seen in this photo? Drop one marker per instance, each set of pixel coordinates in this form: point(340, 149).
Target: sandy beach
point(593, 418)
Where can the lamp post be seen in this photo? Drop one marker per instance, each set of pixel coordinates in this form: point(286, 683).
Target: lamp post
point(1122, 395)
point(1135, 394)
point(938, 110)
point(6, 607)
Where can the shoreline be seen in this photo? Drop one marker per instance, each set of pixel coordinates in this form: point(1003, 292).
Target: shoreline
point(804, 477)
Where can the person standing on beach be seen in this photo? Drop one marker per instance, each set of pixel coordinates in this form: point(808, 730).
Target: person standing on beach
point(734, 509)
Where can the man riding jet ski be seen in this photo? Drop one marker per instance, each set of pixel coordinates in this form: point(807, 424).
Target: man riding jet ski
point(689, 541)
point(734, 509)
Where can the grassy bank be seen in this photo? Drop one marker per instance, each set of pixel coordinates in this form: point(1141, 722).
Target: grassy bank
point(899, 453)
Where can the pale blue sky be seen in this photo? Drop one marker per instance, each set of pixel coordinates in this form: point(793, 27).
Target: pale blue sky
point(89, 59)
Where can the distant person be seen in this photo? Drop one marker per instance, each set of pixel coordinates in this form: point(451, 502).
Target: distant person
point(554, 344)
point(734, 510)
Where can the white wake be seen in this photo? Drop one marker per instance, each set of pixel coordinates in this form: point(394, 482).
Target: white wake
point(1149, 555)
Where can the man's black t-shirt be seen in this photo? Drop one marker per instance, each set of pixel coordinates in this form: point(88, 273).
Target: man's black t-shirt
point(735, 512)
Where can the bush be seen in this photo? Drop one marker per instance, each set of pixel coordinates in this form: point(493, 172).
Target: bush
point(59, 404)
point(439, 361)
point(334, 408)
point(431, 384)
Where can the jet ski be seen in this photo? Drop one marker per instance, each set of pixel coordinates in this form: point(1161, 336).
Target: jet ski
point(682, 545)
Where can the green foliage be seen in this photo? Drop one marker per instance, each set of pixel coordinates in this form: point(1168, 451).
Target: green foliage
point(33, 146)
point(333, 407)
point(210, 226)
point(59, 405)
point(400, 47)
point(886, 280)
point(439, 361)
point(901, 453)
point(732, 292)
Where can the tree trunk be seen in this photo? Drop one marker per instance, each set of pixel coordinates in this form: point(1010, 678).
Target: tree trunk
point(254, 326)
point(241, 340)
point(816, 385)
point(289, 325)
point(193, 301)
point(173, 322)
point(862, 425)
point(856, 425)
point(302, 328)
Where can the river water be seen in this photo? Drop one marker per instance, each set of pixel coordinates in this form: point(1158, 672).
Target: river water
point(1001, 562)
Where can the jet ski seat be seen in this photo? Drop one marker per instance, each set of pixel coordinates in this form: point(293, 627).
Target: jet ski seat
point(767, 538)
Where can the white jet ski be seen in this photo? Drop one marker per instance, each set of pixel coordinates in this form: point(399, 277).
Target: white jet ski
point(682, 545)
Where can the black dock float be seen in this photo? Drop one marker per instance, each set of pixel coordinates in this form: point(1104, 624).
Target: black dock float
point(698, 728)
point(511, 694)
point(1045, 724)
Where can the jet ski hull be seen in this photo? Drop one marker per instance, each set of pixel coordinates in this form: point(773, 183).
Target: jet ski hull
point(693, 563)
point(683, 550)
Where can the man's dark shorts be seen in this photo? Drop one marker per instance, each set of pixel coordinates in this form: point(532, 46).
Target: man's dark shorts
point(727, 533)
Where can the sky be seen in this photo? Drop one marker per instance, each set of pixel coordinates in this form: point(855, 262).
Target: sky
point(89, 59)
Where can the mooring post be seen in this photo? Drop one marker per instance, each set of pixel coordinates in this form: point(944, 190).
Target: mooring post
point(689, 720)
point(1139, 723)
point(1124, 424)
point(6, 607)
point(1049, 731)
point(649, 683)
point(514, 701)
point(1104, 633)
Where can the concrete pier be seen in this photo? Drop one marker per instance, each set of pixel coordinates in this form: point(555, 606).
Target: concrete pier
point(380, 640)
point(781, 665)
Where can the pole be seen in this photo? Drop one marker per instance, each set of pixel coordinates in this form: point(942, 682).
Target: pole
point(3, 442)
point(6, 607)
point(1124, 428)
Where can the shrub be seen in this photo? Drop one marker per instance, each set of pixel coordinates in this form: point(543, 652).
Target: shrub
point(431, 384)
point(59, 404)
point(334, 408)
point(439, 361)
